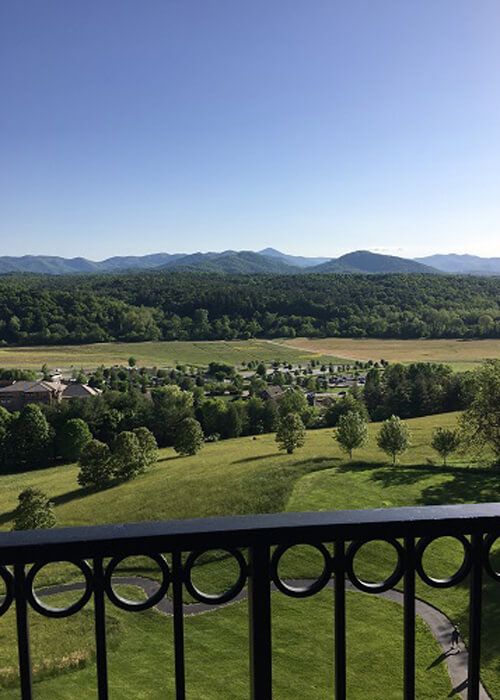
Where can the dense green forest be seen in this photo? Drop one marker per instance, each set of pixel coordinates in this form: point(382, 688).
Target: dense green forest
point(189, 306)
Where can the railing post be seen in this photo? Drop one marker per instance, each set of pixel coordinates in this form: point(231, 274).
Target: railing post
point(475, 617)
point(259, 611)
point(23, 639)
point(100, 630)
point(180, 682)
point(409, 620)
point(340, 636)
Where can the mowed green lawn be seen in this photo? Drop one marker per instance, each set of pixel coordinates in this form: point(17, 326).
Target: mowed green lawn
point(250, 476)
point(152, 354)
point(141, 654)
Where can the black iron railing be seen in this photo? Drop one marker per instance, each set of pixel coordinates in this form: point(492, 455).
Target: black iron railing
point(257, 543)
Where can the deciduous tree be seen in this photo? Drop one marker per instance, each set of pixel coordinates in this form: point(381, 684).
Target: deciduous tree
point(480, 422)
point(31, 437)
point(74, 436)
point(127, 458)
point(148, 445)
point(189, 437)
point(393, 437)
point(96, 469)
point(352, 432)
point(291, 432)
point(445, 441)
point(33, 511)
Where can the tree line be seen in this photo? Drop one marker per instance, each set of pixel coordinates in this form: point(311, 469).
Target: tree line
point(189, 306)
point(38, 435)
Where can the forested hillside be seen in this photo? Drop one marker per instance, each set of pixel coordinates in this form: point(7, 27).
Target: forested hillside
point(189, 306)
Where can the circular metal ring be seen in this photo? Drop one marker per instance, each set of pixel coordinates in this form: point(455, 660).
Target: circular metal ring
point(457, 577)
point(488, 544)
point(49, 611)
point(8, 579)
point(381, 586)
point(302, 591)
point(125, 604)
point(217, 598)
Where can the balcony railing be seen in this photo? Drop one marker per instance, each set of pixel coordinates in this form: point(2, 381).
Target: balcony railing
point(257, 543)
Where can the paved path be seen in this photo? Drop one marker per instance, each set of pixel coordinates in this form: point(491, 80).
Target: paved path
point(439, 624)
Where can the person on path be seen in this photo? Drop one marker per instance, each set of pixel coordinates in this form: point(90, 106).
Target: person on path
point(455, 637)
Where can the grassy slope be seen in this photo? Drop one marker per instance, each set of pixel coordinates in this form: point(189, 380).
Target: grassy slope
point(151, 354)
point(459, 353)
point(245, 475)
point(239, 476)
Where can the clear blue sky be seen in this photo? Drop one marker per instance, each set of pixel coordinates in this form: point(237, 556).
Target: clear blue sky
point(314, 126)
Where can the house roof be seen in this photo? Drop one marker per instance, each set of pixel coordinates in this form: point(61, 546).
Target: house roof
point(77, 390)
point(27, 387)
point(273, 391)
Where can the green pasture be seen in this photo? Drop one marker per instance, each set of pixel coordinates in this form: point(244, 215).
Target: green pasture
point(249, 475)
point(152, 354)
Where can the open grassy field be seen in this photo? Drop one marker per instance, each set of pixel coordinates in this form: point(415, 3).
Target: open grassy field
point(250, 476)
point(462, 354)
point(151, 354)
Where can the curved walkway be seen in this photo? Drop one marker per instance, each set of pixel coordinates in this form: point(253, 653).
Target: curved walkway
point(438, 623)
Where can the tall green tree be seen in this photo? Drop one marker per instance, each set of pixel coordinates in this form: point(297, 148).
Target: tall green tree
point(96, 468)
point(148, 445)
point(480, 422)
point(445, 442)
point(30, 439)
point(291, 433)
point(352, 432)
point(5, 420)
point(34, 511)
point(189, 437)
point(73, 438)
point(170, 407)
point(127, 458)
point(394, 437)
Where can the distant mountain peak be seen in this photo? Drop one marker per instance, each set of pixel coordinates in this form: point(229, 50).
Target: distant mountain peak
point(366, 262)
point(463, 264)
point(266, 261)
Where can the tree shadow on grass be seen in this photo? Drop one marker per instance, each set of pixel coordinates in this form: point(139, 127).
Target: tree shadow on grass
point(320, 463)
point(400, 475)
point(168, 459)
point(258, 458)
point(466, 486)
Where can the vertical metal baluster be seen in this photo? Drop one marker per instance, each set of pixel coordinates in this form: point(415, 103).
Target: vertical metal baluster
point(475, 617)
point(23, 639)
point(180, 680)
point(340, 645)
point(100, 630)
point(409, 620)
point(259, 611)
